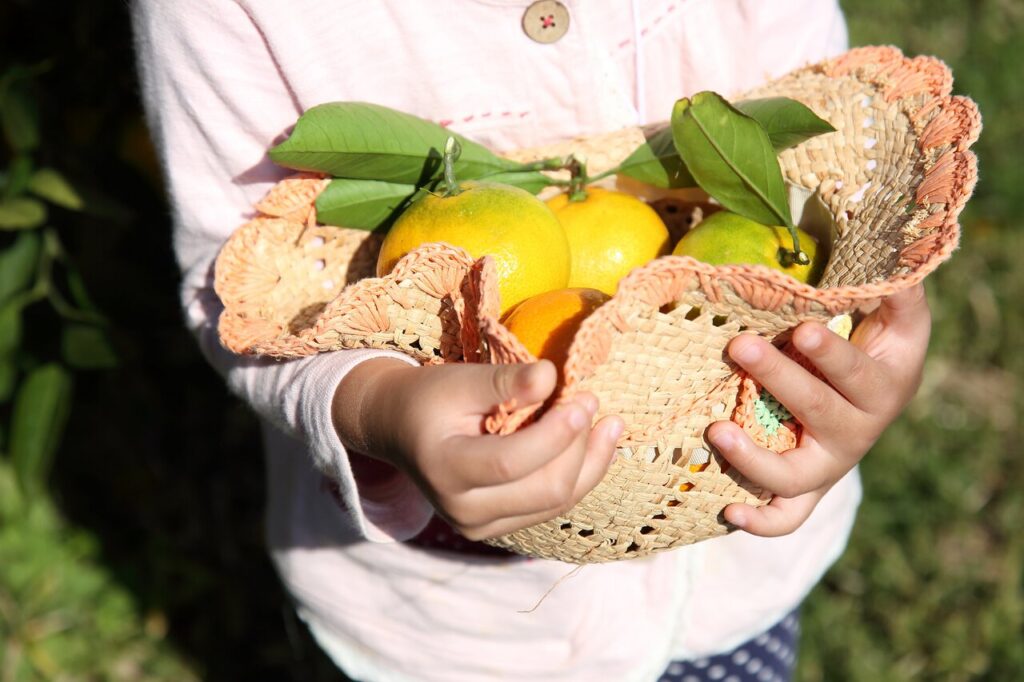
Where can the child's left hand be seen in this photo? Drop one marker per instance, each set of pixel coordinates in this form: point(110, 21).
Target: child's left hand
point(873, 377)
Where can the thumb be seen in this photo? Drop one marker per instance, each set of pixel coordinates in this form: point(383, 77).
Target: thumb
point(907, 311)
point(525, 383)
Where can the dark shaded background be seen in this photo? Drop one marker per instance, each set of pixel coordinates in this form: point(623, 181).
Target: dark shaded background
point(140, 556)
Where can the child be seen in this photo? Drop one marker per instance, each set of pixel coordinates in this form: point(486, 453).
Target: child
point(224, 79)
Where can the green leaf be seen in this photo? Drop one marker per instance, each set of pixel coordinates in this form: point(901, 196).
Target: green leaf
point(18, 264)
point(79, 294)
point(19, 119)
point(18, 175)
point(372, 204)
point(86, 346)
point(21, 213)
point(8, 379)
point(370, 142)
point(731, 158)
point(51, 185)
point(657, 163)
point(38, 418)
point(787, 122)
point(362, 204)
point(10, 329)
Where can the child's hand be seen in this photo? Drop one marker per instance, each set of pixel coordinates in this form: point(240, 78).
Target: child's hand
point(427, 421)
point(874, 376)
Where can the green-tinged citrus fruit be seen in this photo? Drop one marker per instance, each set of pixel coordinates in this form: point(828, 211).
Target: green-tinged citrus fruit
point(725, 238)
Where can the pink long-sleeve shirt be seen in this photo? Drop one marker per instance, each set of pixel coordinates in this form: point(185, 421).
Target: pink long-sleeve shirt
point(223, 79)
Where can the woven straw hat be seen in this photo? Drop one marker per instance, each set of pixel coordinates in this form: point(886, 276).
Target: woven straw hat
point(895, 176)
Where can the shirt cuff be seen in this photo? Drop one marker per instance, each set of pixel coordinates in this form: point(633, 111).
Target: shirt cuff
point(388, 508)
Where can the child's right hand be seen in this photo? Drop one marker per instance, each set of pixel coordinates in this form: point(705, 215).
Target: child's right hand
point(428, 422)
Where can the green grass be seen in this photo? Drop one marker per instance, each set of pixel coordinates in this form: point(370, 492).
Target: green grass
point(932, 585)
point(146, 562)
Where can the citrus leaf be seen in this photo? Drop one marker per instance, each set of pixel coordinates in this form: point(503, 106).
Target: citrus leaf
point(372, 204)
point(38, 418)
point(18, 175)
point(10, 329)
point(787, 121)
point(731, 158)
point(86, 346)
point(18, 264)
point(51, 185)
point(656, 162)
point(371, 142)
point(362, 204)
point(20, 213)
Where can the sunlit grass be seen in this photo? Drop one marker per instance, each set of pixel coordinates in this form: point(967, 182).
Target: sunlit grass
point(932, 586)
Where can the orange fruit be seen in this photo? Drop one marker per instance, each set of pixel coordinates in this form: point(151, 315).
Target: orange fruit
point(726, 238)
point(609, 234)
point(524, 237)
point(547, 323)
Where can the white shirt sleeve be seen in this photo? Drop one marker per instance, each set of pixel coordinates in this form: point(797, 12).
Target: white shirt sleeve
point(214, 107)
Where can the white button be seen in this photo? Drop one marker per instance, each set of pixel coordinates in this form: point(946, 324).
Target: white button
point(546, 21)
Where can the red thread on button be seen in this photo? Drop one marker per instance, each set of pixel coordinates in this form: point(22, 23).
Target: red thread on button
point(548, 21)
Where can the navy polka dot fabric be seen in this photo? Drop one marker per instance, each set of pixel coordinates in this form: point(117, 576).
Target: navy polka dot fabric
point(769, 657)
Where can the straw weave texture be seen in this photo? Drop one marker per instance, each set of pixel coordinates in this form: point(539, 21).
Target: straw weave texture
point(895, 176)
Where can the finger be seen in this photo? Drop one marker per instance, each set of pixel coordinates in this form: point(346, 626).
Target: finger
point(851, 371)
point(488, 386)
point(792, 474)
point(781, 516)
point(547, 488)
point(813, 402)
point(907, 311)
point(492, 460)
point(906, 315)
point(600, 452)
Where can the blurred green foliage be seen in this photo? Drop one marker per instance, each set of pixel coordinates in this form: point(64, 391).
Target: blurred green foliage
point(134, 550)
point(932, 585)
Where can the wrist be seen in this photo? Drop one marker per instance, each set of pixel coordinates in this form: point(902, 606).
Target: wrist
point(360, 409)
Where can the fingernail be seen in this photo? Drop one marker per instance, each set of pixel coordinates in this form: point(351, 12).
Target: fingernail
point(722, 439)
point(615, 430)
point(589, 403)
point(577, 418)
point(737, 517)
point(748, 351)
point(808, 339)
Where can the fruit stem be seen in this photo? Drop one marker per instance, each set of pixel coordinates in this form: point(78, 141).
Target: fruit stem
point(577, 166)
point(796, 256)
point(452, 151)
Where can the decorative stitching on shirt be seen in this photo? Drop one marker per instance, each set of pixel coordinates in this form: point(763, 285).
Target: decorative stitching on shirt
point(445, 122)
point(657, 20)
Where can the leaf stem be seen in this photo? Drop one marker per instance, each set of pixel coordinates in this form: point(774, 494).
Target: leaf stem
point(553, 163)
point(452, 151)
point(577, 167)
